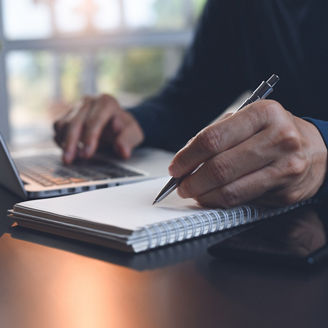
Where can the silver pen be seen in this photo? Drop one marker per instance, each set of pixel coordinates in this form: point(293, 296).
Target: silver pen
point(262, 91)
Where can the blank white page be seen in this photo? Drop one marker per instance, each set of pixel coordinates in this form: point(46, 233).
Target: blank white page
point(128, 207)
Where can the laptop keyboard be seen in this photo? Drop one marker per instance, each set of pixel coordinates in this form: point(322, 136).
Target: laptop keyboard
point(49, 171)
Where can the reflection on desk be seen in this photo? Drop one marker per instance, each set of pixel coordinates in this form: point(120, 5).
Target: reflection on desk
point(154, 259)
point(46, 281)
point(297, 239)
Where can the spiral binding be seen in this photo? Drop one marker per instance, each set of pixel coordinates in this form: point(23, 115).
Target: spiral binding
point(205, 222)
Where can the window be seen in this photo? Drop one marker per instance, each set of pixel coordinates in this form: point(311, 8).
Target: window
point(54, 51)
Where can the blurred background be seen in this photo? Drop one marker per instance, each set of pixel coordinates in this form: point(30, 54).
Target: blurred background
point(55, 51)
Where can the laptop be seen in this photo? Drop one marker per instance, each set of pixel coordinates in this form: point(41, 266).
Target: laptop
point(42, 174)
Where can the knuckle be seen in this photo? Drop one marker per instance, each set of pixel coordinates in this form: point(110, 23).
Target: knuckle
point(271, 107)
point(270, 111)
point(289, 139)
point(219, 170)
point(105, 99)
point(229, 196)
point(263, 112)
point(295, 166)
point(107, 105)
point(208, 140)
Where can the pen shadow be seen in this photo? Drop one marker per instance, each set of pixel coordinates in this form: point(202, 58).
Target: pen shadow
point(150, 260)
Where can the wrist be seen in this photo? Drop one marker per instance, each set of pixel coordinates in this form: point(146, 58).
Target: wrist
point(317, 150)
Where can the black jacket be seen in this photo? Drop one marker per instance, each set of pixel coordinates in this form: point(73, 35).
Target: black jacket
point(239, 43)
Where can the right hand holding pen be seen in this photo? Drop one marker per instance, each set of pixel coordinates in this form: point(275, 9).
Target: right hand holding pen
point(263, 153)
point(95, 121)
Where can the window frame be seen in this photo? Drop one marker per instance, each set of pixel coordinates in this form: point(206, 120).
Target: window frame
point(59, 45)
point(4, 105)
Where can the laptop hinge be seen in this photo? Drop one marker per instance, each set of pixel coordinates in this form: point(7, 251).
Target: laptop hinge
point(9, 176)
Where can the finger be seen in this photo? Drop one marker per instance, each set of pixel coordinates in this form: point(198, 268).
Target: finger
point(60, 129)
point(74, 132)
point(97, 119)
point(245, 158)
point(127, 140)
point(59, 141)
point(224, 116)
point(110, 131)
point(267, 200)
point(117, 124)
point(280, 198)
point(61, 122)
point(243, 190)
point(295, 183)
point(221, 136)
point(58, 126)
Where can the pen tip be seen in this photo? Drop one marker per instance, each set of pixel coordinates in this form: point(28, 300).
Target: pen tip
point(157, 199)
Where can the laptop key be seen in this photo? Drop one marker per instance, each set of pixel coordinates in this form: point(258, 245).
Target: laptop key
point(78, 180)
point(50, 171)
point(39, 179)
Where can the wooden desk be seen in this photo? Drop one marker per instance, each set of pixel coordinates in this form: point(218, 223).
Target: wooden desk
point(46, 281)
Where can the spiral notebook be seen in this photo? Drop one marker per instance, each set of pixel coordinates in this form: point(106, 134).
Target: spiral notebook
point(123, 217)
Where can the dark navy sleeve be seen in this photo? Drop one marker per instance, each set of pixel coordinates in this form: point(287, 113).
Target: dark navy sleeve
point(322, 126)
point(210, 78)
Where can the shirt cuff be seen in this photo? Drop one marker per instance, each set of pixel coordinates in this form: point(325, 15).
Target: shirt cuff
point(322, 127)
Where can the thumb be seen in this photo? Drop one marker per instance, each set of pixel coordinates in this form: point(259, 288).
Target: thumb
point(129, 137)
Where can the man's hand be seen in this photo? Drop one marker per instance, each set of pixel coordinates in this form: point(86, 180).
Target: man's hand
point(261, 153)
point(95, 121)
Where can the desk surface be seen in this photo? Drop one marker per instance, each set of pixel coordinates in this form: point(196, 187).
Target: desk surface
point(47, 281)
